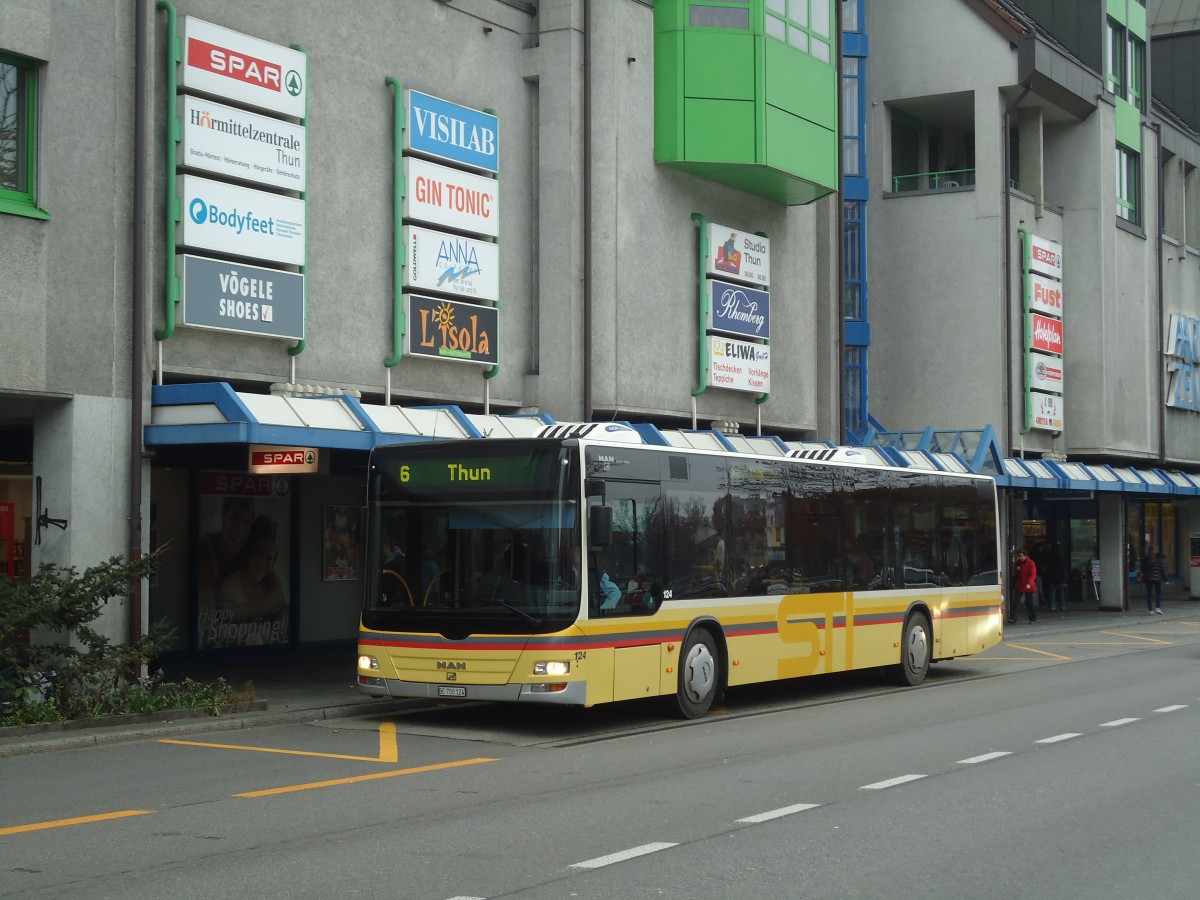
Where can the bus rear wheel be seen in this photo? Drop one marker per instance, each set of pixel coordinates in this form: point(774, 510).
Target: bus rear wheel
point(698, 679)
point(916, 649)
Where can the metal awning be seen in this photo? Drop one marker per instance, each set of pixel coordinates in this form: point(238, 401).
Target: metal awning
point(214, 413)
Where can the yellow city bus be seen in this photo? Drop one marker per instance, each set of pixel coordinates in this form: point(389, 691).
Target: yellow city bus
point(589, 566)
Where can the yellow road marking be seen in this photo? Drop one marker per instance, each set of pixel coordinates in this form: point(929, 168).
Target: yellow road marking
point(78, 820)
point(357, 778)
point(1136, 637)
point(389, 751)
point(273, 750)
point(1035, 650)
point(389, 748)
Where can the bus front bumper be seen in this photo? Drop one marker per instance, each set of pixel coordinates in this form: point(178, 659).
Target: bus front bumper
point(571, 693)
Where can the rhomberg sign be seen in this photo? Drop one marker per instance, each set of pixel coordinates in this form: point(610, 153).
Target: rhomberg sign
point(229, 64)
point(448, 329)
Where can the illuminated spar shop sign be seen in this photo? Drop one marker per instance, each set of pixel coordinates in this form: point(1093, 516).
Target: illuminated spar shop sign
point(447, 329)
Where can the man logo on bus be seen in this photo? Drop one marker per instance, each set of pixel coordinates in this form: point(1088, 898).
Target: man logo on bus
point(442, 664)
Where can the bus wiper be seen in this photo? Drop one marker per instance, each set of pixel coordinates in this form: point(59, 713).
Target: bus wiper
point(534, 619)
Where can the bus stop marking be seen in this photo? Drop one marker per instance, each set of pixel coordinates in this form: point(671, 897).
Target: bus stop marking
point(335, 782)
point(78, 820)
point(389, 751)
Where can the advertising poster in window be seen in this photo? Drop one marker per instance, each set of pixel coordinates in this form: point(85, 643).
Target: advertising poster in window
point(243, 560)
point(339, 559)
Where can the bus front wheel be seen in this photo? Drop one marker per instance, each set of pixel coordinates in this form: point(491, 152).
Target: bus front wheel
point(916, 649)
point(698, 679)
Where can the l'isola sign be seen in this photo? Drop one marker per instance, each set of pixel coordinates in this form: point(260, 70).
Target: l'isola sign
point(448, 329)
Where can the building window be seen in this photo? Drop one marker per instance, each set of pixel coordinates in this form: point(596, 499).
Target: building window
point(806, 25)
point(1128, 186)
point(1136, 77)
point(1116, 58)
point(18, 121)
point(852, 87)
point(853, 247)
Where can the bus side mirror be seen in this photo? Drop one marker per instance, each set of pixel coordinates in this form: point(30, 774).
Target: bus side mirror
point(594, 487)
point(600, 526)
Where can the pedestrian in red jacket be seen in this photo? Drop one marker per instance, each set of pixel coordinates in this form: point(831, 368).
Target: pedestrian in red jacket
point(1025, 587)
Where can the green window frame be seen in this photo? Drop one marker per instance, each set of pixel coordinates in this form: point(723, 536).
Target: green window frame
point(18, 136)
point(1128, 185)
point(806, 25)
point(1137, 73)
point(1115, 77)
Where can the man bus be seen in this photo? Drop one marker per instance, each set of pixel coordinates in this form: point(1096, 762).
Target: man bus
point(589, 567)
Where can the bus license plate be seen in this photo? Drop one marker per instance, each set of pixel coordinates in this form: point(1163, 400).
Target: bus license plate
point(451, 691)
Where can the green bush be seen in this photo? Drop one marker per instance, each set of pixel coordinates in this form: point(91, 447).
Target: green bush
point(89, 676)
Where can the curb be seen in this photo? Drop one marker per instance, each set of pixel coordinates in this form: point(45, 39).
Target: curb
point(86, 733)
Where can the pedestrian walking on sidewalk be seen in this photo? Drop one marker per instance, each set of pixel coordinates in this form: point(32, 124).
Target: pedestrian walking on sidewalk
point(1153, 574)
point(1055, 578)
point(1025, 586)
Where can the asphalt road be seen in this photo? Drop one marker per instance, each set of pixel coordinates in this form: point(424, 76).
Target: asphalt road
point(1061, 765)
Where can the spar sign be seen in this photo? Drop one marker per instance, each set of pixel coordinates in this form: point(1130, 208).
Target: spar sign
point(225, 63)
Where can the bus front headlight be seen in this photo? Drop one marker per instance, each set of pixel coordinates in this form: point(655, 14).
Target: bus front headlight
point(368, 662)
point(551, 667)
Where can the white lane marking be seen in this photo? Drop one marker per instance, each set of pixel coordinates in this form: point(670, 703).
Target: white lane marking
point(1172, 708)
point(995, 754)
point(1115, 722)
point(778, 813)
point(891, 782)
point(623, 855)
point(1058, 737)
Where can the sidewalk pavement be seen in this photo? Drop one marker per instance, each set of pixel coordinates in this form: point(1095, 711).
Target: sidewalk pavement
point(305, 687)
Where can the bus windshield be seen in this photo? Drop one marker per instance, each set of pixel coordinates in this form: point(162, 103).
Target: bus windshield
point(470, 537)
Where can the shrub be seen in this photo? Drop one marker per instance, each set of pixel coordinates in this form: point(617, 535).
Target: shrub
point(89, 676)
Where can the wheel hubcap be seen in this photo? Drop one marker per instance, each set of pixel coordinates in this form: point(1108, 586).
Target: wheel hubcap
point(699, 673)
point(917, 649)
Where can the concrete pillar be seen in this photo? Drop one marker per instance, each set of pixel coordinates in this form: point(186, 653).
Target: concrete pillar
point(1113, 577)
point(80, 453)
